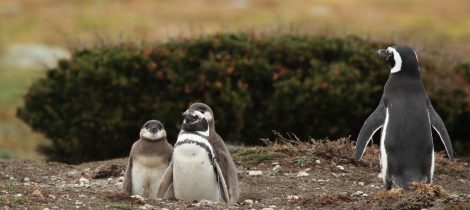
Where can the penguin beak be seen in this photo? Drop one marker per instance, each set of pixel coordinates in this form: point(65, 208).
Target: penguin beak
point(384, 54)
point(190, 116)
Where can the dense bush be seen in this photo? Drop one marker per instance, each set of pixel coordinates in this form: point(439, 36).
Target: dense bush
point(93, 105)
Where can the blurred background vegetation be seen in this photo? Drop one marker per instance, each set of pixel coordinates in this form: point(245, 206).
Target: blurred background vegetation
point(34, 33)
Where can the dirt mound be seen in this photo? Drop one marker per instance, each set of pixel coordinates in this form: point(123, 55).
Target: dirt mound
point(285, 174)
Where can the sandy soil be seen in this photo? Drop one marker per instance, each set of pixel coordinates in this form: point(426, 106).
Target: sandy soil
point(316, 175)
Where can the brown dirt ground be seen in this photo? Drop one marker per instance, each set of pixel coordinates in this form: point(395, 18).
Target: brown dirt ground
point(332, 181)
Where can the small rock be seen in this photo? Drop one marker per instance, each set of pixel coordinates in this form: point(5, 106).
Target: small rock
point(255, 173)
point(361, 184)
point(462, 180)
point(82, 196)
point(164, 209)
point(340, 168)
point(12, 178)
point(110, 179)
point(302, 174)
point(318, 161)
point(380, 176)
point(203, 203)
point(248, 201)
point(45, 209)
point(146, 206)
point(267, 208)
point(38, 194)
point(72, 173)
point(453, 195)
point(78, 203)
point(52, 196)
point(293, 197)
point(357, 193)
point(468, 196)
point(18, 195)
point(26, 179)
point(275, 163)
point(54, 207)
point(138, 197)
point(121, 179)
point(276, 168)
point(364, 195)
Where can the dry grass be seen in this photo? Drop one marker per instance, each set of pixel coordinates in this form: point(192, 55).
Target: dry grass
point(323, 200)
point(422, 23)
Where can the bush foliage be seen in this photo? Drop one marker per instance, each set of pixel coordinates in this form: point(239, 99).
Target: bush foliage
point(93, 105)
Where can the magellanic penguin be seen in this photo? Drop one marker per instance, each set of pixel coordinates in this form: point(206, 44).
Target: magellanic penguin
point(201, 167)
point(148, 160)
point(406, 117)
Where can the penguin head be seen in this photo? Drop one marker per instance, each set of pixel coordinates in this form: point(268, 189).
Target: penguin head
point(400, 58)
point(198, 118)
point(153, 130)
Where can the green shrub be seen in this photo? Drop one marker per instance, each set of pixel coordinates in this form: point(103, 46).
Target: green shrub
point(92, 106)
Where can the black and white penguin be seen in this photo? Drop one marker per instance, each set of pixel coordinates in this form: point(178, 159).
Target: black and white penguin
point(201, 167)
point(148, 160)
point(406, 117)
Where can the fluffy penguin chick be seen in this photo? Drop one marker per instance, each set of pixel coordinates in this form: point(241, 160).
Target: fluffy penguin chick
point(148, 160)
point(406, 117)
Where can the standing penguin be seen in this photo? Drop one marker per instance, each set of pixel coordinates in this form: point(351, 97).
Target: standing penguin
point(148, 160)
point(406, 117)
point(201, 166)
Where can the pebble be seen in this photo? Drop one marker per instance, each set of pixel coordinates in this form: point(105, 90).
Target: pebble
point(82, 196)
point(78, 203)
point(340, 168)
point(357, 193)
point(267, 208)
point(462, 180)
point(248, 201)
point(255, 173)
point(468, 196)
point(52, 196)
point(138, 197)
point(45, 209)
point(146, 206)
point(361, 184)
point(317, 161)
point(18, 195)
point(275, 163)
point(293, 197)
point(84, 181)
point(38, 194)
point(276, 168)
point(26, 179)
point(302, 174)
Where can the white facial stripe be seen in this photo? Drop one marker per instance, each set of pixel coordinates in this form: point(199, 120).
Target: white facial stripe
point(208, 116)
point(198, 113)
point(397, 58)
point(383, 152)
point(197, 138)
point(152, 136)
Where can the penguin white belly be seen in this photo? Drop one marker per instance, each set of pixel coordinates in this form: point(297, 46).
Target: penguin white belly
point(194, 177)
point(146, 174)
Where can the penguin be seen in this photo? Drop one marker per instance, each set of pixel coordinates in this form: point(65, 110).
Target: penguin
point(201, 167)
point(148, 160)
point(406, 117)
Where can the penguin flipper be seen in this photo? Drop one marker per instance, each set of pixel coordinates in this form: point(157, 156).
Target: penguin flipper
point(166, 183)
point(373, 123)
point(222, 183)
point(127, 185)
point(440, 128)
